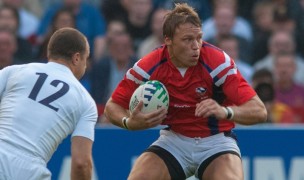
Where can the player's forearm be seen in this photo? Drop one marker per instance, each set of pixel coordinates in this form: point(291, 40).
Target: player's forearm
point(114, 113)
point(252, 112)
point(81, 171)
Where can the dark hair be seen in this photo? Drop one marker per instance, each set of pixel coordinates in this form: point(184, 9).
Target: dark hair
point(181, 14)
point(265, 91)
point(63, 10)
point(14, 11)
point(261, 74)
point(226, 38)
point(65, 42)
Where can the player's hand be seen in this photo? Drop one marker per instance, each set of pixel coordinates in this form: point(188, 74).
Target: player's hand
point(209, 107)
point(139, 120)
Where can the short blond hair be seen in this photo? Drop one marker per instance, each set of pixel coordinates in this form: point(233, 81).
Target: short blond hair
point(181, 14)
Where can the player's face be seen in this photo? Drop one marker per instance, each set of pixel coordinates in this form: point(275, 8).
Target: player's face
point(184, 48)
point(83, 62)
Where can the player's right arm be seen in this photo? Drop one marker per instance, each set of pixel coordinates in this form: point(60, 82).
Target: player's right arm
point(136, 120)
point(81, 158)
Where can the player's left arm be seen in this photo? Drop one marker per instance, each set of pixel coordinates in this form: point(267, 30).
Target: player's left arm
point(82, 140)
point(241, 105)
point(251, 112)
point(81, 158)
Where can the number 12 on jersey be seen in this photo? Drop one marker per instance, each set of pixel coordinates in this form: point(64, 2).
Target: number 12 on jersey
point(49, 99)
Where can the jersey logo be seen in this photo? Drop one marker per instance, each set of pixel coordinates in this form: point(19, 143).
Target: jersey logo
point(200, 93)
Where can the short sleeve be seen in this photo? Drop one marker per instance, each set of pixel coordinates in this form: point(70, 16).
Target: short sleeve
point(86, 124)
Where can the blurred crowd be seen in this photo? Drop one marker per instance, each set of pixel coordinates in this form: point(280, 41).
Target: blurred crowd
point(264, 37)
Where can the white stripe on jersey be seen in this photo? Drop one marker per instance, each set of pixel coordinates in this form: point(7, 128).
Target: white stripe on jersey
point(139, 71)
point(222, 80)
point(220, 68)
point(132, 78)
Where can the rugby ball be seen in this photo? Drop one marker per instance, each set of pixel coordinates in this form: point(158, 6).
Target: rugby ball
point(153, 94)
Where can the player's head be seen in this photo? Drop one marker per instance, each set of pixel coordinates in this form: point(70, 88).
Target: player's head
point(183, 35)
point(262, 76)
point(70, 47)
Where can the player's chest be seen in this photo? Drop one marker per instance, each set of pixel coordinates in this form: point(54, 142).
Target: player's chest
point(191, 87)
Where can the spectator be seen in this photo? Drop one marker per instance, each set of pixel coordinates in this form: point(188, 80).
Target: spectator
point(114, 28)
point(230, 45)
point(88, 20)
point(263, 75)
point(28, 21)
point(224, 20)
point(283, 22)
point(292, 8)
point(9, 19)
point(277, 112)
point(287, 90)
point(225, 13)
point(63, 18)
point(120, 10)
point(139, 20)
point(156, 38)
point(203, 7)
point(263, 12)
point(281, 41)
point(8, 47)
point(109, 71)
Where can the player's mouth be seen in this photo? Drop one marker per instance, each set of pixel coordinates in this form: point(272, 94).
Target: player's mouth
point(195, 56)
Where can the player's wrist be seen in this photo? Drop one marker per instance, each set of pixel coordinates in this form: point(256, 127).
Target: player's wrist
point(229, 112)
point(124, 121)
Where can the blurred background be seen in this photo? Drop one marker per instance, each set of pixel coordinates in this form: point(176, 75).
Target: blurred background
point(264, 37)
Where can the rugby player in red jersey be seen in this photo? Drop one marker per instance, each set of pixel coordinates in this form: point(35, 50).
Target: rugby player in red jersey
point(208, 96)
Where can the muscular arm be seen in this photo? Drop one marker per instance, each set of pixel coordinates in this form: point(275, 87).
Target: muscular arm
point(81, 158)
point(114, 113)
point(137, 120)
point(251, 112)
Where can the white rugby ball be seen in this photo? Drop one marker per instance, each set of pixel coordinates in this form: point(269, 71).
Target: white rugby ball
point(153, 94)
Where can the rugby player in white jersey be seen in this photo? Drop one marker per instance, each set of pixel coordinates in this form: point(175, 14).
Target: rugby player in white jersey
point(40, 105)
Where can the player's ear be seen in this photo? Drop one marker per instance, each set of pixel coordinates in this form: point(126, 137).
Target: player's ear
point(76, 58)
point(168, 41)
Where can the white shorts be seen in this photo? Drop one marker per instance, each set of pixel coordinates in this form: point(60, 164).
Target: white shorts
point(192, 155)
point(17, 165)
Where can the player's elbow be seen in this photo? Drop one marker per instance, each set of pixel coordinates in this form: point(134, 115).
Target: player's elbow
point(82, 166)
point(258, 110)
point(262, 116)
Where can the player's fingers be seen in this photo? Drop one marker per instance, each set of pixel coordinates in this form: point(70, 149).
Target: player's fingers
point(205, 109)
point(156, 118)
point(138, 107)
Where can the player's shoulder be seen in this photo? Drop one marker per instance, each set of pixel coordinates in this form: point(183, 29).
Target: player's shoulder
point(15, 67)
point(213, 56)
point(153, 59)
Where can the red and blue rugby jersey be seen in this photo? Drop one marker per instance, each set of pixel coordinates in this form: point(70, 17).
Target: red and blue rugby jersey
point(215, 76)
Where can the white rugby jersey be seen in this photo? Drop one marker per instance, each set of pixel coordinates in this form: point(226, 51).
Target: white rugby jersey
point(40, 105)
